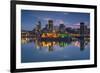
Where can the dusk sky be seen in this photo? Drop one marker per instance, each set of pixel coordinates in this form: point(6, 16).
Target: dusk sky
point(29, 18)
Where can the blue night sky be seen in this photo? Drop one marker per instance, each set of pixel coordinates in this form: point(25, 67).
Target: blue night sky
point(29, 18)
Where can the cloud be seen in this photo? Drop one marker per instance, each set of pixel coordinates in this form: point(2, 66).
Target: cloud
point(47, 18)
point(59, 21)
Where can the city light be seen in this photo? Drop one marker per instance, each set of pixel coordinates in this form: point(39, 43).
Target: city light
point(50, 35)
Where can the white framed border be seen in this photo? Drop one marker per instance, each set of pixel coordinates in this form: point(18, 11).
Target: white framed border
point(20, 65)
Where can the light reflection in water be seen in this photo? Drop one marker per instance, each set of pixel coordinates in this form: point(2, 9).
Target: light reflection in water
point(50, 44)
point(33, 50)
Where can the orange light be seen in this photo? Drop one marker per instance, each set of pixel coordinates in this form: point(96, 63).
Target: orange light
point(47, 44)
point(43, 35)
point(50, 35)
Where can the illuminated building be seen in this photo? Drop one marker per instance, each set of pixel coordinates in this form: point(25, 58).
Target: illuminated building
point(82, 36)
point(38, 27)
point(50, 35)
point(50, 25)
point(62, 28)
point(82, 29)
point(56, 29)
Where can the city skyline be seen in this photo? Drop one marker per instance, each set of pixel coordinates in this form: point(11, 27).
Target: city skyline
point(30, 18)
point(46, 36)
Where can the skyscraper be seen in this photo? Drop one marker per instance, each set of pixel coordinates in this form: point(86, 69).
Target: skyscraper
point(62, 28)
point(82, 36)
point(82, 28)
point(39, 26)
point(50, 25)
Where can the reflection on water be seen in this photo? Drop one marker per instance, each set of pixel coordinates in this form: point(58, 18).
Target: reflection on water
point(34, 50)
point(50, 44)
